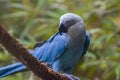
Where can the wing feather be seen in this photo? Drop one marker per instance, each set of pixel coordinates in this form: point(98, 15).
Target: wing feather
point(53, 47)
point(86, 45)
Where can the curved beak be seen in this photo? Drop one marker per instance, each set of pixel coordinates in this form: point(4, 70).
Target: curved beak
point(62, 28)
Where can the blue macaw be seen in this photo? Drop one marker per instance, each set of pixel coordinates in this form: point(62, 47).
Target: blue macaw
point(62, 51)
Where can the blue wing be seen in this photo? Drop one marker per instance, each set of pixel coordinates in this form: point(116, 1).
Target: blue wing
point(52, 48)
point(46, 52)
point(86, 45)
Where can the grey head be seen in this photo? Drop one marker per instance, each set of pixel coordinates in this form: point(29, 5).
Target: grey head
point(72, 24)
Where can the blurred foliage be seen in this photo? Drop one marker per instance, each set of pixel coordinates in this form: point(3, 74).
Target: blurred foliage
point(34, 20)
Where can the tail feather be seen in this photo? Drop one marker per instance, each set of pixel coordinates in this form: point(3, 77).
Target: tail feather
point(10, 69)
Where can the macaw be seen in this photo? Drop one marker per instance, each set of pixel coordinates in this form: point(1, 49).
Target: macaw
point(62, 51)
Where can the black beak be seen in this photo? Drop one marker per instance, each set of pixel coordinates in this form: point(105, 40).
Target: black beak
point(62, 28)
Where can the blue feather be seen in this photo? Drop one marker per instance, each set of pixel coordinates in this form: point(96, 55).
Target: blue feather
point(86, 45)
point(53, 47)
point(11, 69)
point(48, 52)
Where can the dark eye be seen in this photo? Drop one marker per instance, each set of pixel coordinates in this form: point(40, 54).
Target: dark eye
point(63, 28)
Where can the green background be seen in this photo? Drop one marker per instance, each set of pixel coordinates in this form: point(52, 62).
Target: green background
point(30, 21)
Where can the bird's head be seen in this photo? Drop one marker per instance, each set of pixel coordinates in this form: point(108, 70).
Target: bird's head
point(72, 24)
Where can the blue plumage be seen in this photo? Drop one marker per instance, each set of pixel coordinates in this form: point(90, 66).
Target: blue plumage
point(52, 48)
point(86, 44)
point(10, 69)
point(62, 51)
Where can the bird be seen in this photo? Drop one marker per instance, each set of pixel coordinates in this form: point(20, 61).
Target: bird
point(62, 51)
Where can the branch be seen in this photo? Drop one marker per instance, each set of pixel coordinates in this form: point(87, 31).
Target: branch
point(22, 54)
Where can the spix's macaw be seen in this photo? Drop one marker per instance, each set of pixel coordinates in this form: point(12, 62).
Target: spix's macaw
point(62, 51)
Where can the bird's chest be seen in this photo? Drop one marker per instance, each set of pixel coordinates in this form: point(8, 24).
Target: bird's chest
point(74, 49)
point(72, 55)
point(73, 52)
